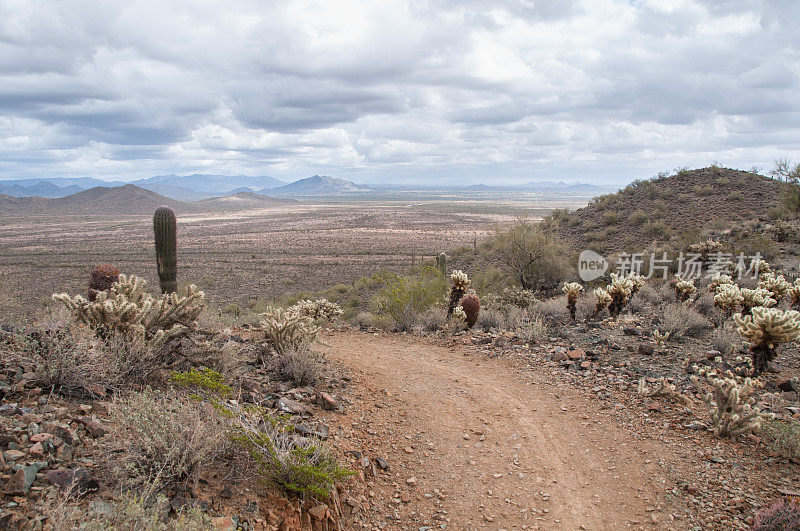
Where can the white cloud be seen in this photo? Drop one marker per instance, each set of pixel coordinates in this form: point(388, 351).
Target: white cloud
point(386, 90)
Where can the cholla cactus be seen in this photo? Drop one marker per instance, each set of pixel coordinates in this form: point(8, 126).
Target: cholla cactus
point(319, 309)
point(572, 289)
point(660, 338)
point(460, 282)
point(765, 329)
point(760, 266)
point(620, 290)
point(684, 289)
point(718, 280)
point(705, 248)
point(794, 293)
point(602, 300)
point(127, 308)
point(729, 401)
point(662, 387)
point(459, 314)
point(728, 298)
point(287, 330)
point(753, 298)
point(777, 285)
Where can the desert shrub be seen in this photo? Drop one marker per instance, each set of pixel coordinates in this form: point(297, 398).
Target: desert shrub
point(432, 319)
point(783, 515)
point(681, 320)
point(725, 341)
point(403, 298)
point(521, 298)
point(362, 320)
point(585, 305)
point(297, 464)
point(610, 218)
point(783, 437)
point(286, 330)
point(531, 327)
point(300, 367)
point(489, 319)
point(126, 308)
point(167, 438)
point(736, 195)
point(536, 259)
point(130, 511)
point(703, 190)
point(638, 217)
point(70, 361)
point(552, 309)
point(656, 229)
point(704, 304)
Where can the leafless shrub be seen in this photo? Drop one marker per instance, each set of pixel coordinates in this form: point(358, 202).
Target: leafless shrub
point(552, 310)
point(531, 327)
point(650, 294)
point(362, 320)
point(167, 438)
point(726, 341)
point(301, 367)
point(489, 319)
point(681, 320)
point(431, 320)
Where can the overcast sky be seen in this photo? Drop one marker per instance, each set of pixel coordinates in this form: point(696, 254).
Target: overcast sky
point(493, 91)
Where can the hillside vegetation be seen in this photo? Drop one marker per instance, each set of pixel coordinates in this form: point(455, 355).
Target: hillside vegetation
point(667, 210)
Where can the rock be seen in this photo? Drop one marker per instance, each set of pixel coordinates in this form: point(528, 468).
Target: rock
point(789, 396)
point(290, 406)
point(319, 512)
point(631, 331)
point(77, 479)
point(585, 365)
point(62, 431)
point(36, 450)
point(322, 430)
point(412, 481)
point(711, 355)
point(560, 356)
point(577, 354)
point(696, 425)
point(95, 429)
point(22, 480)
point(382, 463)
point(13, 455)
point(646, 349)
point(789, 386)
point(326, 401)
point(224, 523)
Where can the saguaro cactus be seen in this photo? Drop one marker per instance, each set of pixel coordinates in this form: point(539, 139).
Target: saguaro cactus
point(441, 263)
point(164, 227)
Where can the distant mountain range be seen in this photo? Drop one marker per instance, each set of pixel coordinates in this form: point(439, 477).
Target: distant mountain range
point(130, 199)
point(198, 186)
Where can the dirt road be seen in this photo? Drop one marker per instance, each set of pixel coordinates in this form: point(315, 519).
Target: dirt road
point(476, 442)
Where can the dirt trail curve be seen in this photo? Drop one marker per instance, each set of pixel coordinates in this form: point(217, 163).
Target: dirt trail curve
point(504, 448)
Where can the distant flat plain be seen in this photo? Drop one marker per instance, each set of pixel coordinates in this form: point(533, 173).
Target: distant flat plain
point(236, 256)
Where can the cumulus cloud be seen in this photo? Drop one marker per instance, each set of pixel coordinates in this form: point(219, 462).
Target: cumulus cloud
point(601, 90)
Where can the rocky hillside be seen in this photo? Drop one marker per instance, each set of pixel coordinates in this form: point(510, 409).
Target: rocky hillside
point(667, 210)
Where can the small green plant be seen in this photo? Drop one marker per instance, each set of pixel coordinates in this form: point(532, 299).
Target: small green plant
point(204, 380)
point(404, 298)
point(298, 464)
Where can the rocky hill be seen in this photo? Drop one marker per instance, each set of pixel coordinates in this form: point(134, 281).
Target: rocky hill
point(667, 210)
point(317, 185)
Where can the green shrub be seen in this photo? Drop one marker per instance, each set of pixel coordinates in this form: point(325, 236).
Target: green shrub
point(297, 464)
point(638, 217)
point(403, 298)
point(203, 379)
point(610, 218)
